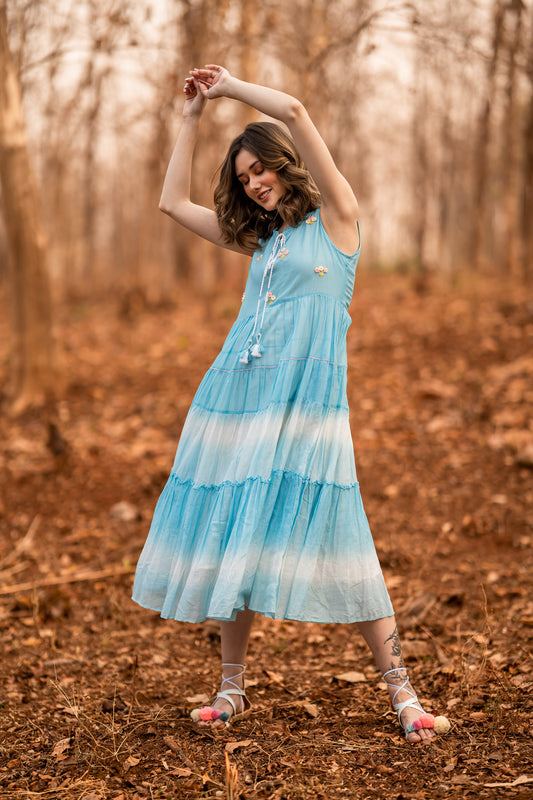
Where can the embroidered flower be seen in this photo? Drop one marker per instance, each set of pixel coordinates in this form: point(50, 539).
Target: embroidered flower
point(270, 298)
point(321, 271)
point(259, 257)
point(243, 296)
point(310, 220)
point(283, 253)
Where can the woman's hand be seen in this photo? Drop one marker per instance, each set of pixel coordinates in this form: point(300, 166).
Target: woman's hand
point(212, 80)
point(194, 98)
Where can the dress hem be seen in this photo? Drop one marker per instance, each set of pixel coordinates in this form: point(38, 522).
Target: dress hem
point(268, 615)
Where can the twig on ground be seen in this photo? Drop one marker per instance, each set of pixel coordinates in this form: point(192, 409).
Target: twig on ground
point(77, 577)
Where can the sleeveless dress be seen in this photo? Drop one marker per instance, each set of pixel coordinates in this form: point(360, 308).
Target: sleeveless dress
point(262, 507)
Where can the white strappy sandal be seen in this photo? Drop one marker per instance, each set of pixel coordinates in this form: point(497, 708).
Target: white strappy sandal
point(424, 721)
point(210, 714)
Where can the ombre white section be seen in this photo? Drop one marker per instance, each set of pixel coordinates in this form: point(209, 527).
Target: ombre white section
point(309, 441)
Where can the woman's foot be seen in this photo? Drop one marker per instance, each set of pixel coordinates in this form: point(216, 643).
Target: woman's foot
point(418, 725)
point(409, 716)
point(230, 703)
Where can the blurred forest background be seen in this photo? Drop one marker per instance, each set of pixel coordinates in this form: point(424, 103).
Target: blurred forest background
point(427, 107)
point(111, 314)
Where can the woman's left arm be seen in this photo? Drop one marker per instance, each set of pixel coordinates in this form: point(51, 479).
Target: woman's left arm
point(339, 210)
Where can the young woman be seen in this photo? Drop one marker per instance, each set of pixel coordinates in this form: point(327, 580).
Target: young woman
point(262, 510)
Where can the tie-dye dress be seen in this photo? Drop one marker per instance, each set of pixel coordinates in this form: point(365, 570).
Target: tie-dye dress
point(262, 507)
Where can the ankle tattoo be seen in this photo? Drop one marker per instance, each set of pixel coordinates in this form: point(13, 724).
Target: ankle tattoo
point(396, 650)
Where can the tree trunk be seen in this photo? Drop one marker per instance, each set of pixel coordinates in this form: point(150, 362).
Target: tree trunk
point(483, 140)
point(32, 368)
point(511, 144)
point(526, 226)
point(248, 54)
point(420, 164)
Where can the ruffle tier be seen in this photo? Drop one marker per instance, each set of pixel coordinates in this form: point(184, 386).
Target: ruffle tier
point(288, 547)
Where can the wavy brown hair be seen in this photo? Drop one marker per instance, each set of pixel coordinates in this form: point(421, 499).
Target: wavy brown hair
point(242, 220)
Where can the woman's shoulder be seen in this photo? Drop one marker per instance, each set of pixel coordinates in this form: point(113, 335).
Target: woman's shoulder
point(314, 221)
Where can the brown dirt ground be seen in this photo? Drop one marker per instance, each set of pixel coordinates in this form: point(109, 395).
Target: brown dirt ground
point(96, 691)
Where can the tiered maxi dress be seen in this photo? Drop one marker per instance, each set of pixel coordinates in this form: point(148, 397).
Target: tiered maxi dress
point(262, 507)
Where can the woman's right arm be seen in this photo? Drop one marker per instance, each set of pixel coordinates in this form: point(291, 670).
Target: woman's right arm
point(176, 195)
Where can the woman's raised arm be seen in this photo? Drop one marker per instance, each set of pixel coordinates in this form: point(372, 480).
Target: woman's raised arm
point(339, 210)
point(176, 195)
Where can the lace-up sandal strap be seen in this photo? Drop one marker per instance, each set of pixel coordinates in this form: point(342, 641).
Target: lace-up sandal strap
point(403, 686)
point(226, 694)
point(237, 674)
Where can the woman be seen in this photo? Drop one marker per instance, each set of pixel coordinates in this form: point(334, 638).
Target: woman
point(262, 511)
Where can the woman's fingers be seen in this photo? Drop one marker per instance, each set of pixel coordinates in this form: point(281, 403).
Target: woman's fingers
point(204, 79)
point(189, 88)
point(210, 74)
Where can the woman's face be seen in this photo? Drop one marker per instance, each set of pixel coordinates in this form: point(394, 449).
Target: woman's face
point(261, 185)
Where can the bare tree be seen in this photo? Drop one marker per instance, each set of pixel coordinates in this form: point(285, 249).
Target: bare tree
point(512, 140)
point(33, 365)
point(482, 154)
point(526, 217)
point(420, 160)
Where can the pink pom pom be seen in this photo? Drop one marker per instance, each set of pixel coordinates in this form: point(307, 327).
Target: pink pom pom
point(206, 713)
point(427, 720)
point(215, 713)
point(417, 724)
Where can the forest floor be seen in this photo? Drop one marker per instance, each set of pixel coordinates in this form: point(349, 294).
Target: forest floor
point(96, 691)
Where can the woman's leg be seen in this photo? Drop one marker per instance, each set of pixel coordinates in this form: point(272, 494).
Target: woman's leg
point(382, 637)
point(234, 643)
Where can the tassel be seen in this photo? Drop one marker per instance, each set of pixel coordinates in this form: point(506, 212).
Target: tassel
point(245, 358)
point(256, 350)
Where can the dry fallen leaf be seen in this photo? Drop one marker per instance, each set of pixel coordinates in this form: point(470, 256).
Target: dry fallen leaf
point(171, 743)
point(461, 779)
point(276, 677)
point(198, 698)
point(181, 772)
point(60, 748)
point(130, 762)
point(351, 677)
point(72, 710)
point(311, 709)
point(232, 746)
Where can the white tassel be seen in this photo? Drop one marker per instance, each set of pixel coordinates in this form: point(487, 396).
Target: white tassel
point(255, 350)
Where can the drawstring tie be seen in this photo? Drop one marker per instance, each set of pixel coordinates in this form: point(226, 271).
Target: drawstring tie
point(253, 349)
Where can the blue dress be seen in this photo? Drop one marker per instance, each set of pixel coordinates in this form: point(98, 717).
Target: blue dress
point(262, 507)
